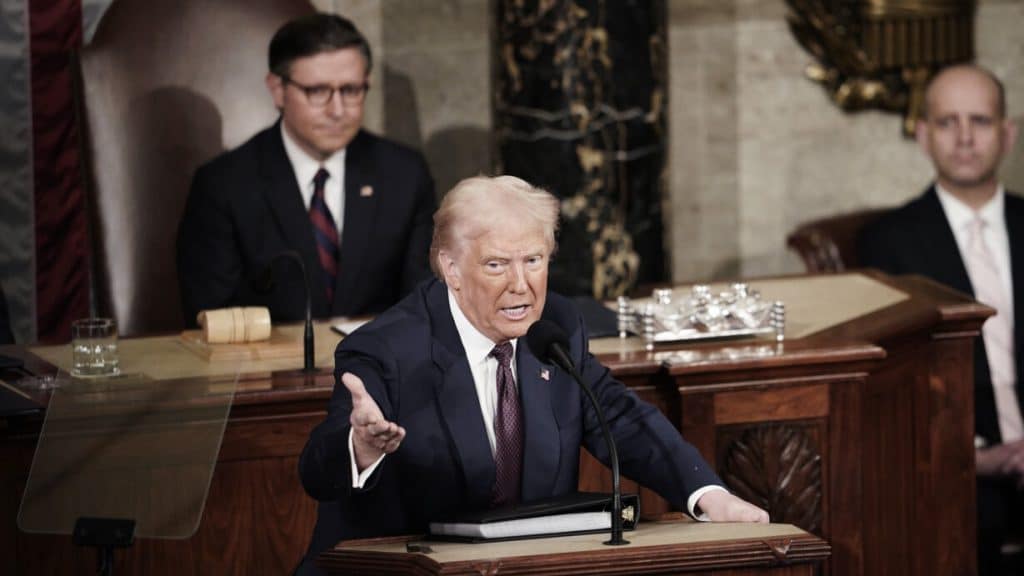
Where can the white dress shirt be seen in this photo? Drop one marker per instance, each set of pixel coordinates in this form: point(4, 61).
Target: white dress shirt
point(484, 369)
point(960, 216)
point(305, 168)
point(482, 365)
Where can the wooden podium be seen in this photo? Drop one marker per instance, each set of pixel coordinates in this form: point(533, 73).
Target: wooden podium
point(655, 548)
point(858, 428)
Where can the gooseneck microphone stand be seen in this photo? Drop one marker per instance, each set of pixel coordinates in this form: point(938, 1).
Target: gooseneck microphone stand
point(308, 348)
point(548, 342)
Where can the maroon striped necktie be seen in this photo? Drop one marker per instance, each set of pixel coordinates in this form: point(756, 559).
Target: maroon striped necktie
point(508, 431)
point(325, 232)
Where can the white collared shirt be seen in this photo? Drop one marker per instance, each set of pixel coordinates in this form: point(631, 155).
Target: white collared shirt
point(305, 168)
point(996, 238)
point(960, 215)
point(482, 365)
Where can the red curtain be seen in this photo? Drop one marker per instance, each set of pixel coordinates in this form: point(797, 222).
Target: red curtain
point(61, 223)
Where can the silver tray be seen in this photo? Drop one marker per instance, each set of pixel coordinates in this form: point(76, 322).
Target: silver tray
point(666, 317)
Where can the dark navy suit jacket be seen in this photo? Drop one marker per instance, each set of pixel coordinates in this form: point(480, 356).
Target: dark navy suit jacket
point(917, 239)
point(245, 207)
point(413, 364)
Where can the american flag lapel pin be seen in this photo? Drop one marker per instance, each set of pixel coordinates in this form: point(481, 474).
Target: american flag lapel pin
point(366, 191)
point(545, 375)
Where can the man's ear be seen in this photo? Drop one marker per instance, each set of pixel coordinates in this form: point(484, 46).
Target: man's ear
point(275, 85)
point(449, 270)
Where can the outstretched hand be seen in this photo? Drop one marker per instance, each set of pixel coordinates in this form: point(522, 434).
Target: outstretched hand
point(721, 506)
point(372, 435)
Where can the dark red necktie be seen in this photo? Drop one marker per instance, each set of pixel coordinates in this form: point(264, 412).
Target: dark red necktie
point(325, 232)
point(508, 431)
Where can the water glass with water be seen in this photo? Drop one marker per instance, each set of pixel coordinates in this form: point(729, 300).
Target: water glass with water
point(94, 348)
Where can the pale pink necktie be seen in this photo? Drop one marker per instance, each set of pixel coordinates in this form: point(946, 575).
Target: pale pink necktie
point(997, 331)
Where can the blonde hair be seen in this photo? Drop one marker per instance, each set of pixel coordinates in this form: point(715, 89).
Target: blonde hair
point(475, 204)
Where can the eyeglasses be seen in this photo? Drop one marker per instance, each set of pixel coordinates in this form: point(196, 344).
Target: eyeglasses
point(321, 94)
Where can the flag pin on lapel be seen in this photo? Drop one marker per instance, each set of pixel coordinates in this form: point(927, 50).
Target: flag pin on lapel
point(545, 375)
point(366, 191)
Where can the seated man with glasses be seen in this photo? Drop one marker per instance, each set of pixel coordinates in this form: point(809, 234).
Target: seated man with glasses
point(355, 207)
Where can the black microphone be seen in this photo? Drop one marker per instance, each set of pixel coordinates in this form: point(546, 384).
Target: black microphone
point(265, 283)
point(549, 343)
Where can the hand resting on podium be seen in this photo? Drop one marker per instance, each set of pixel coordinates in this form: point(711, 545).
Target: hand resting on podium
point(721, 506)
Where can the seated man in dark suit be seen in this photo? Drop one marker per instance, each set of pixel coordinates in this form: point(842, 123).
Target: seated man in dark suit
point(440, 408)
point(356, 208)
point(968, 233)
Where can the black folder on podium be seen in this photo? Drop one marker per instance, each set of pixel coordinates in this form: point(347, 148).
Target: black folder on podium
point(577, 513)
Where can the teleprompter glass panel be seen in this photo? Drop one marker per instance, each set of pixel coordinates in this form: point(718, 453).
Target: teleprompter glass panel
point(127, 447)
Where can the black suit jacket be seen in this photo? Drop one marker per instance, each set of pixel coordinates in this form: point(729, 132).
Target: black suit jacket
point(413, 364)
point(917, 239)
point(245, 207)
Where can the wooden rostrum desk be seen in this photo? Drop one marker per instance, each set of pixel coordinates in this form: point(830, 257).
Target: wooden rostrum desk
point(665, 547)
point(857, 428)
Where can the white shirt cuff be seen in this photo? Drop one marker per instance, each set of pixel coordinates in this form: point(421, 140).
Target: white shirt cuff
point(691, 502)
point(359, 480)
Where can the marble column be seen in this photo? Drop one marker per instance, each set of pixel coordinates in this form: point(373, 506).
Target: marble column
point(579, 106)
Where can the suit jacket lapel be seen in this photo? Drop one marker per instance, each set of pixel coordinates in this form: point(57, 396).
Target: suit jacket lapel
point(541, 450)
point(360, 214)
point(457, 399)
point(943, 253)
point(287, 209)
point(1015, 233)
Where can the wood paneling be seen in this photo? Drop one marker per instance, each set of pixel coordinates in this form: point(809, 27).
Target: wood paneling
point(772, 404)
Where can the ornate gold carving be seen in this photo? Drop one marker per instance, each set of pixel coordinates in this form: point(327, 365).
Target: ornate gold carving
point(616, 262)
point(777, 467)
point(880, 53)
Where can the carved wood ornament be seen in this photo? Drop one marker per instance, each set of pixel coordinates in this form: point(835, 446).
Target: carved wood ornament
point(777, 467)
point(879, 54)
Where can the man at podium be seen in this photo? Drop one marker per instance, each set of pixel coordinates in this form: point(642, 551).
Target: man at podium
point(440, 408)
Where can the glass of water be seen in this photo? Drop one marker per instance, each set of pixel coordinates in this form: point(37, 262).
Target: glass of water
point(94, 348)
